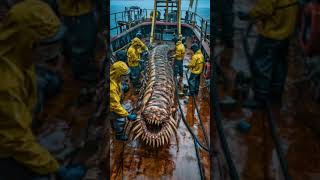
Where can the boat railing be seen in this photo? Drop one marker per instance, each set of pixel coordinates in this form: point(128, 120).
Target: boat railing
point(122, 21)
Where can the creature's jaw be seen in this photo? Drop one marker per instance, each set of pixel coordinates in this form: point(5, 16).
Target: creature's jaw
point(155, 133)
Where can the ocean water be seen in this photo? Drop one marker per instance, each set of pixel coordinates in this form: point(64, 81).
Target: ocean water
point(119, 6)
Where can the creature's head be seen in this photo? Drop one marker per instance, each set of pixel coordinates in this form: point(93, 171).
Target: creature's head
point(156, 126)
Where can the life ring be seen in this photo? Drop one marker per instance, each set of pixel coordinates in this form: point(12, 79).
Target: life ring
point(310, 29)
point(207, 70)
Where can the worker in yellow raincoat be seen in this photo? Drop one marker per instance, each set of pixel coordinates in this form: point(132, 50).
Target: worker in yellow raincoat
point(276, 23)
point(134, 58)
point(28, 25)
point(118, 113)
point(157, 15)
point(196, 68)
point(80, 20)
point(179, 57)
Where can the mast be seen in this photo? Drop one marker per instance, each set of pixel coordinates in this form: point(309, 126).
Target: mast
point(153, 21)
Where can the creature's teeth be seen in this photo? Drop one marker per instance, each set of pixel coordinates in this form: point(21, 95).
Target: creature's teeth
point(153, 142)
point(166, 138)
point(172, 122)
point(170, 130)
point(139, 134)
point(136, 127)
point(167, 132)
point(162, 139)
point(149, 141)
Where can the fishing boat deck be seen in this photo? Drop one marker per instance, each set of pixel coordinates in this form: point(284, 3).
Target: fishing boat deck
point(177, 160)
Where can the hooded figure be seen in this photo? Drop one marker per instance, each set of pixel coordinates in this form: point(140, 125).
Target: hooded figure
point(179, 56)
point(118, 113)
point(134, 57)
point(196, 67)
point(28, 24)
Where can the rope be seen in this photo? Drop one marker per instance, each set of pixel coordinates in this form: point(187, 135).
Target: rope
point(196, 140)
point(276, 139)
point(185, 122)
point(198, 112)
point(217, 117)
point(198, 159)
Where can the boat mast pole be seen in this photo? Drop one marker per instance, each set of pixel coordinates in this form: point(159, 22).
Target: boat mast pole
point(179, 17)
point(195, 11)
point(153, 21)
point(167, 6)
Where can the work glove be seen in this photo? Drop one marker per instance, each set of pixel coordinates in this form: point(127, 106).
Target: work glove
point(74, 172)
point(132, 117)
point(125, 87)
point(243, 16)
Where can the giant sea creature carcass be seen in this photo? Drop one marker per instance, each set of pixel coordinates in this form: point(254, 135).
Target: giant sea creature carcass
point(156, 102)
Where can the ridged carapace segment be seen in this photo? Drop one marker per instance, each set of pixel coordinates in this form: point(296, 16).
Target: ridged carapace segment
point(156, 103)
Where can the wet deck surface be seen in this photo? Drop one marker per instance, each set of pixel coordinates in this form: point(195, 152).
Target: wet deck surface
point(297, 119)
point(134, 160)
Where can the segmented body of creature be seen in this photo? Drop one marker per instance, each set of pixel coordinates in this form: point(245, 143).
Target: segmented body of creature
point(156, 102)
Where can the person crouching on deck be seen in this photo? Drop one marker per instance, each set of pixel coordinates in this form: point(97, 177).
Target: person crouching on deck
point(118, 113)
point(196, 68)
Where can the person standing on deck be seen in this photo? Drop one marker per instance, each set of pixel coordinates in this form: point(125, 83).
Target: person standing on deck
point(196, 67)
point(118, 114)
point(134, 58)
point(29, 27)
point(269, 64)
point(179, 57)
point(80, 20)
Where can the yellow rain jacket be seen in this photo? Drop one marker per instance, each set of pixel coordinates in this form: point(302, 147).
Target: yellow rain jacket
point(180, 51)
point(196, 63)
point(74, 7)
point(135, 51)
point(275, 23)
point(27, 23)
point(117, 70)
point(140, 43)
point(157, 15)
